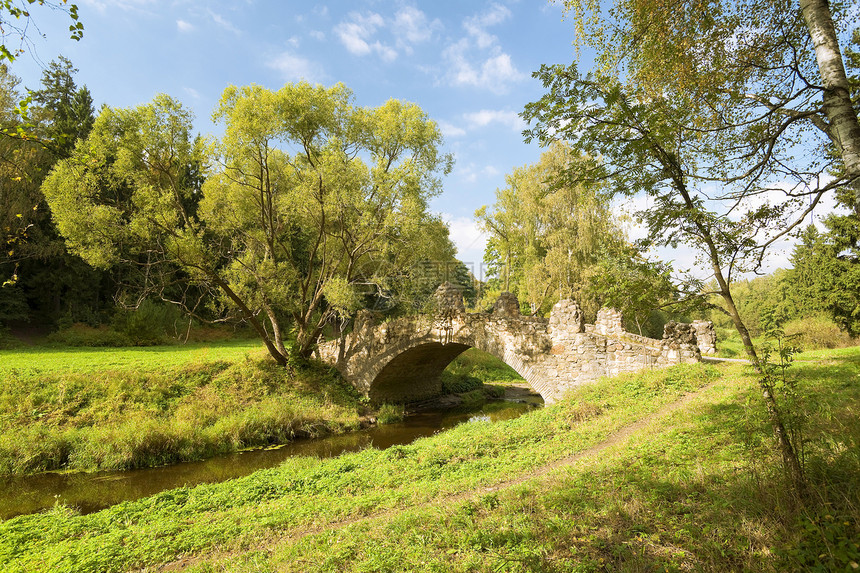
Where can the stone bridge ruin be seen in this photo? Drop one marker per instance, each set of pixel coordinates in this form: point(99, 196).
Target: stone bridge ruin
point(402, 360)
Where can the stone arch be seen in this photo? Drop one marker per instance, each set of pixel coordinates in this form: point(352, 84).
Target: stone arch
point(412, 370)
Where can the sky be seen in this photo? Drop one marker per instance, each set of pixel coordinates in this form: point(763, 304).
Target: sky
point(467, 64)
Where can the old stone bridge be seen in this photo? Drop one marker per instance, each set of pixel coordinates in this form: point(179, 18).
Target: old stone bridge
point(402, 360)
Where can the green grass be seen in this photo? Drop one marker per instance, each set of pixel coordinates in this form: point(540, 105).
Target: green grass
point(699, 489)
point(30, 361)
point(93, 409)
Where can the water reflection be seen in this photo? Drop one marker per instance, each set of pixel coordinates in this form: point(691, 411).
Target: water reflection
point(95, 491)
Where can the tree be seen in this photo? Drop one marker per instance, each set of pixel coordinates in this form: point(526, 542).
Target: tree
point(308, 202)
point(545, 233)
point(826, 273)
point(636, 286)
point(750, 55)
point(45, 280)
point(66, 112)
point(16, 23)
point(709, 110)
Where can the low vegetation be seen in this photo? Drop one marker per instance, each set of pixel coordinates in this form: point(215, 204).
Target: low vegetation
point(86, 409)
point(699, 488)
point(94, 409)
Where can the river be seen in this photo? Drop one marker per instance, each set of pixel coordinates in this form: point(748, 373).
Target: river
point(91, 492)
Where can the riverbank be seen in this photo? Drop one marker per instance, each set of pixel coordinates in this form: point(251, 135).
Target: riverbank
point(667, 470)
point(85, 409)
point(97, 409)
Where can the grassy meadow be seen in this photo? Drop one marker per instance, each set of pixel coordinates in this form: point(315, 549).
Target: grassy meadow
point(697, 487)
point(87, 409)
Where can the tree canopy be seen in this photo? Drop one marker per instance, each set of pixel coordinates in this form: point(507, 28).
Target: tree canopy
point(16, 23)
point(733, 119)
point(309, 203)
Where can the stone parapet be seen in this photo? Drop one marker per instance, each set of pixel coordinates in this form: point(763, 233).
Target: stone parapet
point(402, 360)
point(706, 336)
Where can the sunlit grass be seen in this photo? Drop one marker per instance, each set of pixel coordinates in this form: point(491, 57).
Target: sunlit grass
point(44, 359)
point(699, 489)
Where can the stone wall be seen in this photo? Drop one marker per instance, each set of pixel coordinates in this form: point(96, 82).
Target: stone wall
point(402, 360)
point(706, 336)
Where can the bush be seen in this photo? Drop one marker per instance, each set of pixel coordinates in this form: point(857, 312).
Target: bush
point(456, 383)
point(390, 414)
point(82, 335)
point(150, 324)
point(817, 332)
point(7, 341)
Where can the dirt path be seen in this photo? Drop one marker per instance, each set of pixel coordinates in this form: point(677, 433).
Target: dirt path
point(270, 543)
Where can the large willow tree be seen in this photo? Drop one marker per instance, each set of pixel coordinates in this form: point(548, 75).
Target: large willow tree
point(550, 237)
point(309, 202)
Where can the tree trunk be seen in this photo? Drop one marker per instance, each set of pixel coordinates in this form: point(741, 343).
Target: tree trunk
point(837, 94)
point(786, 448)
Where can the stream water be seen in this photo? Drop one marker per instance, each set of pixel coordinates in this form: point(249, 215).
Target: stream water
point(91, 492)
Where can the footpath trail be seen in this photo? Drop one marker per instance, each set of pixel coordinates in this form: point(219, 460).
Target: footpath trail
point(271, 542)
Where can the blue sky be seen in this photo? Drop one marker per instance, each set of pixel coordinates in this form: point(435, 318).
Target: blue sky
point(467, 64)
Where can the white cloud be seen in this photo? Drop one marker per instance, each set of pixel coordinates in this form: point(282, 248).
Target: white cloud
point(184, 26)
point(224, 23)
point(294, 67)
point(192, 92)
point(411, 26)
point(371, 33)
point(486, 117)
point(472, 173)
point(451, 130)
point(469, 240)
point(317, 35)
point(477, 25)
point(357, 33)
point(478, 60)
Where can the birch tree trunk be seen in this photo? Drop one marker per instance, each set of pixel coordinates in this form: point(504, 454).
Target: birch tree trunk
point(837, 94)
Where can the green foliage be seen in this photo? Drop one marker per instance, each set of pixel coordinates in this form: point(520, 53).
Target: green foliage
point(150, 323)
point(309, 203)
point(78, 335)
point(817, 332)
point(826, 271)
point(390, 414)
point(16, 22)
point(168, 410)
point(547, 234)
point(473, 367)
point(457, 382)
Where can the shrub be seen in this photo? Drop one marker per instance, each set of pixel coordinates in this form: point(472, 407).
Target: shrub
point(390, 414)
point(82, 335)
point(150, 324)
point(455, 383)
point(817, 332)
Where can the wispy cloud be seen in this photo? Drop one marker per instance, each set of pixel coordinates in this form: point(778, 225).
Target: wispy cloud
point(372, 33)
point(224, 23)
point(486, 117)
point(294, 68)
point(478, 60)
point(184, 26)
point(451, 130)
point(356, 33)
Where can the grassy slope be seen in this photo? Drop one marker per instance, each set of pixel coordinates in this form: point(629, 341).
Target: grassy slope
point(698, 489)
point(87, 409)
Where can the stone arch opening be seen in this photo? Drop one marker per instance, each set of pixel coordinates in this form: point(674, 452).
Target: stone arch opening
point(416, 373)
